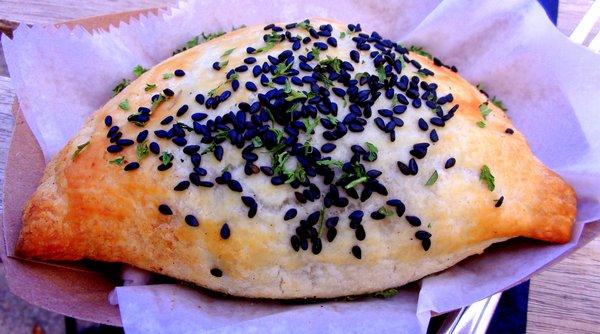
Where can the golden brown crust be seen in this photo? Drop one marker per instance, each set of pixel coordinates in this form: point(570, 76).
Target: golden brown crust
point(88, 208)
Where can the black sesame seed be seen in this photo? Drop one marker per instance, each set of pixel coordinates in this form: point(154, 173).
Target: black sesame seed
point(154, 148)
point(422, 235)
point(235, 186)
point(499, 202)
point(112, 131)
point(328, 148)
point(165, 210)
point(317, 246)
point(225, 232)
point(181, 186)
point(290, 214)
point(191, 221)
point(433, 136)
point(251, 86)
point(200, 98)
point(142, 136)
point(356, 215)
point(216, 272)
point(131, 166)
point(426, 244)
point(331, 234)
point(166, 120)
point(108, 120)
point(295, 241)
point(179, 73)
point(376, 215)
point(218, 153)
point(357, 252)
point(450, 163)
point(168, 92)
point(124, 142)
point(509, 131)
point(413, 220)
point(413, 167)
point(423, 125)
point(206, 184)
point(360, 233)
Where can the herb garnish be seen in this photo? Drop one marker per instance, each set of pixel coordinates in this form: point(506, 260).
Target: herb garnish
point(386, 212)
point(120, 86)
point(79, 149)
point(487, 177)
point(166, 158)
point(139, 70)
point(167, 75)
point(124, 105)
point(498, 104)
point(331, 162)
point(419, 50)
point(149, 87)
point(381, 73)
point(142, 150)
point(481, 124)
point(432, 179)
point(386, 293)
point(333, 63)
point(227, 52)
point(118, 161)
point(372, 151)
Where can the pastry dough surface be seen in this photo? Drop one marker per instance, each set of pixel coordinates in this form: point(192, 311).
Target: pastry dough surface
point(89, 208)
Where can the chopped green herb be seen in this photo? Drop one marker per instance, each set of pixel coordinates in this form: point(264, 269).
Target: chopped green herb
point(372, 151)
point(212, 35)
point(120, 86)
point(278, 162)
point(139, 70)
point(158, 102)
point(223, 63)
point(188, 45)
point(331, 162)
point(386, 212)
point(432, 179)
point(222, 134)
point(386, 293)
point(150, 87)
point(226, 168)
point(342, 35)
point(294, 95)
point(332, 119)
point(419, 50)
point(381, 73)
point(333, 63)
point(298, 174)
point(325, 80)
point(498, 104)
point(270, 42)
point(484, 110)
point(185, 126)
point(257, 142)
point(166, 158)
point(79, 149)
point(316, 52)
point(356, 182)
point(142, 150)
point(310, 126)
point(360, 75)
point(278, 134)
point(322, 220)
point(118, 161)
point(304, 25)
point(395, 101)
point(227, 52)
point(282, 68)
point(124, 105)
point(481, 124)
point(487, 177)
point(167, 75)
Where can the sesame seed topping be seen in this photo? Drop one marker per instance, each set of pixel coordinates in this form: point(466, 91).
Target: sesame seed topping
point(165, 210)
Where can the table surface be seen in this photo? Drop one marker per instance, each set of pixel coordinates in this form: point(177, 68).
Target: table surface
point(563, 298)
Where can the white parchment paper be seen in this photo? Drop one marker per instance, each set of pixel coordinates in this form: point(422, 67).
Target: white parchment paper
point(551, 87)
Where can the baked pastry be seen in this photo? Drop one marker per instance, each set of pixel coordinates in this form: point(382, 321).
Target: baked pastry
point(291, 161)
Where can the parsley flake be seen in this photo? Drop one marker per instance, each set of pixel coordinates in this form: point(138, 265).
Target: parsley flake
point(487, 177)
point(484, 110)
point(124, 105)
point(419, 50)
point(332, 119)
point(386, 212)
point(167, 76)
point(389, 293)
point(481, 124)
point(79, 149)
point(228, 52)
point(432, 179)
point(331, 162)
point(166, 158)
point(381, 73)
point(372, 151)
point(149, 87)
point(120, 86)
point(142, 150)
point(139, 70)
point(118, 161)
point(498, 104)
